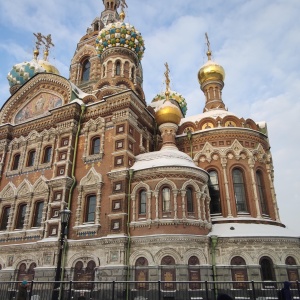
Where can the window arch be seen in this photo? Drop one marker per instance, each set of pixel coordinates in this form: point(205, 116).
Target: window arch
point(47, 154)
point(261, 193)
point(4, 218)
point(21, 216)
point(103, 71)
point(86, 67)
point(90, 209)
point(214, 192)
point(118, 68)
point(267, 269)
point(132, 73)
point(194, 272)
point(38, 214)
point(95, 145)
point(26, 274)
point(239, 272)
point(31, 158)
point(239, 190)
point(141, 273)
point(142, 202)
point(291, 267)
point(190, 200)
point(166, 199)
point(168, 273)
point(84, 274)
point(16, 161)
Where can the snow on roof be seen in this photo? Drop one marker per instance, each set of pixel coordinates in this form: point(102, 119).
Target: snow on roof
point(251, 230)
point(166, 157)
point(215, 113)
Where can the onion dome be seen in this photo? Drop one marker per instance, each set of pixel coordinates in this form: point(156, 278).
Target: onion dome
point(211, 71)
point(168, 113)
point(120, 34)
point(22, 72)
point(49, 68)
point(173, 96)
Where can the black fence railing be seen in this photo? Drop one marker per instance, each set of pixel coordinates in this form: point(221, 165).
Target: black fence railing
point(150, 290)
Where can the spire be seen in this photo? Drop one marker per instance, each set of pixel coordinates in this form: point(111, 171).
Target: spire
point(38, 43)
point(167, 72)
point(208, 53)
point(48, 43)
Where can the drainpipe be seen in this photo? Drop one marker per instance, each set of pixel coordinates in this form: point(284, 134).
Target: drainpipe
point(214, 242)
point(189, 136)
point(71, 190)
point(130, 172)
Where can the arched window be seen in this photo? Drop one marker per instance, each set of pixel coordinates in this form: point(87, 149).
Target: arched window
point(4, 218)
point(292, 270)
point(86, 67)
point(24, 274)
point(261, 193)
point(132, 73)
point(142, 202)
point(103, 71)
point(239, 272)
point(16, 161)
point(239, 191)
point(141, 273)
point(38, 214)
point(31, 158)
point(47, 154)
point(85, 274)
point(168, 273)
point(214, 192)
point(21, 216)
point(267, 269)
point(194, 272)
point(166, 199)
point(118, 68)
point(90, 209)
point(189, 200)
point(95, 147)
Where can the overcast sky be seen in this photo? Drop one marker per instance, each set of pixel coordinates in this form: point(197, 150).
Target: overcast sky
point(256, 41)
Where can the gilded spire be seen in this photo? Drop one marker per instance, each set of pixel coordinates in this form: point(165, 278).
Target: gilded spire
point(123, 4)
point(38, 43)
point(48, 43)
point(167, 72)
point(208, 53)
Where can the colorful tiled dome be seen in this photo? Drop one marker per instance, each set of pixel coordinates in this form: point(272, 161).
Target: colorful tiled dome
point(120, 34)
point(175, 96)
point(22, 72)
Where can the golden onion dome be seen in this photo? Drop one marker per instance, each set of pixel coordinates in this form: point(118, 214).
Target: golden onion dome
point(49, 68)
point(168, 113)
point(211, 71)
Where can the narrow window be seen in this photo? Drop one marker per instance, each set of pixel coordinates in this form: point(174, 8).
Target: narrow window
point(21, 216)
point(47, 154)
point(31, 157)
point(292, 270)
point(142, 204)
point(239, 191)
point(141, 273)
point(166, 199)
point(103, 71)
point(118, 68)
point(38, 213)
point(267, 270)
point(95, 149)
point(194, 272)
point(132, 73)
point(214, 192)
point(16, 161)
point(189, 200)
point(90, 209)
point(4, 219)
point(261, 193)
point(86, 70)
point(168, 273)
point(239, 272)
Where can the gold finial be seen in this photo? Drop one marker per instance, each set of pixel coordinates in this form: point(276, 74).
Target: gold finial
point(208, 53)
point(167, 72)
point(123, 5)
point(48, 43)
point(38, 43)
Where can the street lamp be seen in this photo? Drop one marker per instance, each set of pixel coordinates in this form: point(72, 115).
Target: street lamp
point(64, 219)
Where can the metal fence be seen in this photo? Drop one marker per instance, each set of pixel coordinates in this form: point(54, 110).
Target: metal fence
point(150, 290)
